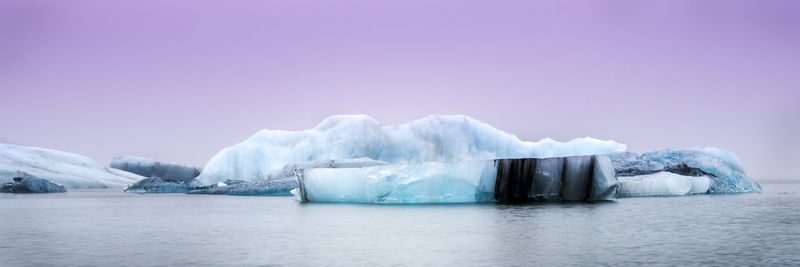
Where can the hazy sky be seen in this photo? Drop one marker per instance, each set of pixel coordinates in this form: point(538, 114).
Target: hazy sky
point(180, 80)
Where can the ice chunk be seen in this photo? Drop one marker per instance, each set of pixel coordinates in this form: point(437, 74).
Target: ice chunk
point(151, 168)
point(158, 185)
point(68, 169)
point(26, 183)
point(273, 187)
point(434, 138)
point(662, 184)
point(722, 167)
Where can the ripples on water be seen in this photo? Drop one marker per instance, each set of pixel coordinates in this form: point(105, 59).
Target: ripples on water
point(106, 227)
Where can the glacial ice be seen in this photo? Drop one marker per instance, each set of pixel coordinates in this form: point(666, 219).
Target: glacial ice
point(506, 180)
point(427, 182)
point(151, 168)
point(434, 138)
point(25, 183)
point(662, 184)
point(73, 171)
point(272, 187)
point(158, 185)
point(723, 168)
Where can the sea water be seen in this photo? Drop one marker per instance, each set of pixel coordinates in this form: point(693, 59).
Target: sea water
point(109, 228)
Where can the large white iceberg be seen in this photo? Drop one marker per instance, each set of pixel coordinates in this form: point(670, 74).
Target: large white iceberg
point(73, 171)
point(434, 138)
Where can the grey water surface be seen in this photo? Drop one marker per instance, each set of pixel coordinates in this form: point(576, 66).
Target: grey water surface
point(110, 228)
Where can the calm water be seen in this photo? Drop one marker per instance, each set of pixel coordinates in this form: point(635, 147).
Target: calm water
point(106, 227)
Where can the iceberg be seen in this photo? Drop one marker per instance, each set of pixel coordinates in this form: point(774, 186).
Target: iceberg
point(576, 178)
point(158, 185)
point(435, 138)
point(723, 169)
point(25, 183)
point(73, 171)
point(151, 168)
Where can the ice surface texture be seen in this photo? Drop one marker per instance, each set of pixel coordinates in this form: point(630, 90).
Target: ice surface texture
point(68, 169)
point(427, 182)
point(662, 184)
point(721, 167)
point(433, 138)
point(272, 187)
point(504, 180)
point(25, 183)
point(151, 168)
point(574, 178)
point(159, 185)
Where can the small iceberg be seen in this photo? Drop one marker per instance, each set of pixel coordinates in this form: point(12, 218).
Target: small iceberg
point(26, 183)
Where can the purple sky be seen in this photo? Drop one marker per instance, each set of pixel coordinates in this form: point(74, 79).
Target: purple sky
point(180, 80)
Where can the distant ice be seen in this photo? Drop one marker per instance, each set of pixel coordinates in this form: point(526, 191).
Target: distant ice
point(152, 168)
point(25, 183)
point(73, 171)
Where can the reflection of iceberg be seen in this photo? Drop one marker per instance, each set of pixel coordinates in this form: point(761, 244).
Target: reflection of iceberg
point(433, 138)
point(506, 180)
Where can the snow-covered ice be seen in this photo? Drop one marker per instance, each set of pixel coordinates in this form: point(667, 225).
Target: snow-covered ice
point(434, 138)
point(73, 171)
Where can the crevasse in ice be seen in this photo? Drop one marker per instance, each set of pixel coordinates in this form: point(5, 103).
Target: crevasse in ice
point(435, 138)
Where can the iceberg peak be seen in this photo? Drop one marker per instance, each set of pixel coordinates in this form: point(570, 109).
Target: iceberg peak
point(432, 138)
